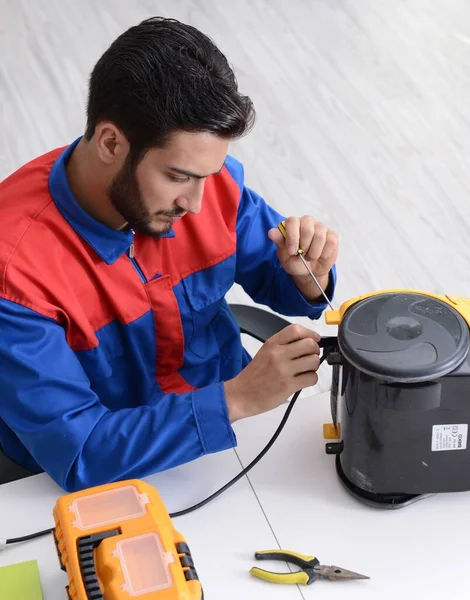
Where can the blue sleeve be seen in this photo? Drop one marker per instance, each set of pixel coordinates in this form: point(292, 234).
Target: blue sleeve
point(47, 401)
point(259, 271)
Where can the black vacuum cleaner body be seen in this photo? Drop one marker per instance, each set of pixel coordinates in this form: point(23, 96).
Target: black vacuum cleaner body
point(400, 397)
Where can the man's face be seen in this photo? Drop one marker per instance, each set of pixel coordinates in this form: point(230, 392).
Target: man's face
point(168, 182)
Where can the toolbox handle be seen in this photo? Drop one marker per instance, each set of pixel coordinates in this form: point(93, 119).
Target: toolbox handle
point(86, 558)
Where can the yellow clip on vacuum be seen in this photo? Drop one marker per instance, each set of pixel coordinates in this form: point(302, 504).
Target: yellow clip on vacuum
point(400, 397)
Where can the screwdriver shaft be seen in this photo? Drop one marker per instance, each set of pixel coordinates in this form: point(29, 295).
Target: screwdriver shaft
point(315, 279)
point(282, 228)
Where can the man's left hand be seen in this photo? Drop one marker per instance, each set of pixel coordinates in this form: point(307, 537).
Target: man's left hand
point(320, 246)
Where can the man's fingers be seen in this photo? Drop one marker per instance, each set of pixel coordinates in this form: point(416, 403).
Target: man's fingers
point(306, 380)
point(308, 228)
point(293, 333)
point(318, 242)
point(292, 235)
point(330, 248)
point(305, 364)
point(306, 347)
point(276, 236)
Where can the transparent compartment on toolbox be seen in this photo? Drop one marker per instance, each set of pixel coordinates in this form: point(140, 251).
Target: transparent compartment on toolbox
point(144, 564)
point(105, 508)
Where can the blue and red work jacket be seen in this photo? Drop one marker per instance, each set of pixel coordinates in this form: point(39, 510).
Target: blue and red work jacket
point(112, 362)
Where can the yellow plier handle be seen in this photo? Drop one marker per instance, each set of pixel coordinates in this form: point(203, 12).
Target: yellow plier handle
point(305, 576)
point(299, 577)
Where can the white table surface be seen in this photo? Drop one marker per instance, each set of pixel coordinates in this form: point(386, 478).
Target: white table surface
point(222, 535)
point(293, 498)
point(419, 551)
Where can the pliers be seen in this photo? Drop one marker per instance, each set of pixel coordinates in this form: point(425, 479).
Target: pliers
point(310, 569)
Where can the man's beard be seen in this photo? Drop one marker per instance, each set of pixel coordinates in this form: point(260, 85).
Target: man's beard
point(126, 198)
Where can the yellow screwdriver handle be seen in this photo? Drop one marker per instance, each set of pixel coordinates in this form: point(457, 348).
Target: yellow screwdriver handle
point(282, 228)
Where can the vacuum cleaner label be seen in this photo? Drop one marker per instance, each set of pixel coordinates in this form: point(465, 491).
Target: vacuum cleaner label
point(449, 437)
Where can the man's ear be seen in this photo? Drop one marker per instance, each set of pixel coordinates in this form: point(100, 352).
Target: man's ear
point(111, 144)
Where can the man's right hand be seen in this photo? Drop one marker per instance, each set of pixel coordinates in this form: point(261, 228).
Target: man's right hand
point(287, 362)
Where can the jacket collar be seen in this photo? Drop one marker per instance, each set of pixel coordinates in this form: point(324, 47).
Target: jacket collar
point(108, 243)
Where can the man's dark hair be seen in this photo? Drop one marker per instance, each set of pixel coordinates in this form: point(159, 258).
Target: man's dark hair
point(163, 76)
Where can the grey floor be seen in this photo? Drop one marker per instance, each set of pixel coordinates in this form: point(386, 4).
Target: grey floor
point(363, 115)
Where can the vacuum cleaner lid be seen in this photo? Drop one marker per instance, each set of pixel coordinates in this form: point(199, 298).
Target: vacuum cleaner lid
point(403, 337)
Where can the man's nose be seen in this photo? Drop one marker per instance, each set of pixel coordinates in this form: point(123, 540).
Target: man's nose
point(192, 201)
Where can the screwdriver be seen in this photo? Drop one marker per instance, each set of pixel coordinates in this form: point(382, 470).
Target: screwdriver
point(300, 253)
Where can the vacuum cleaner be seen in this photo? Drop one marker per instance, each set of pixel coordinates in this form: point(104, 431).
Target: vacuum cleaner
point(400, 396)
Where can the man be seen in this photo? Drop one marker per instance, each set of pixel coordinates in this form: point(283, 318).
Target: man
point(119, 356)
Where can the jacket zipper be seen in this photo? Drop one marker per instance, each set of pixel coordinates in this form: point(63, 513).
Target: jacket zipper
point(130, 253)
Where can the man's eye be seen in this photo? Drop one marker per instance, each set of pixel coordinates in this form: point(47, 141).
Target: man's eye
point(177, 179)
